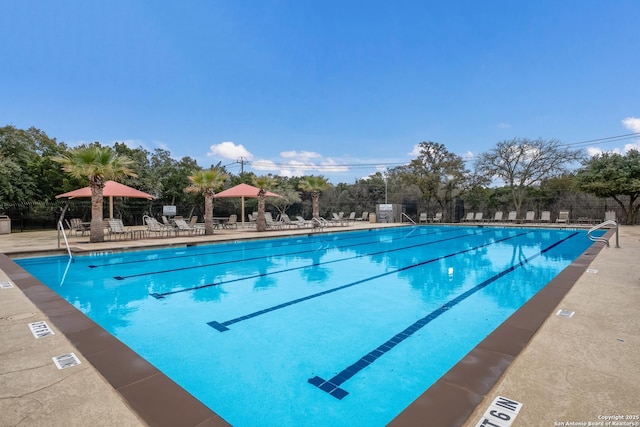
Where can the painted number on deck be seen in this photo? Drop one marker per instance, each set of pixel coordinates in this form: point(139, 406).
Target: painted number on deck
point(500, 413)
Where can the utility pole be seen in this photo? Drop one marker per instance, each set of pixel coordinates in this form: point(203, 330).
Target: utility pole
point(242, 161)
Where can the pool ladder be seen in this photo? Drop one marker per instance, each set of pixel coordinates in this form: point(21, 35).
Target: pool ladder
point(404, 215)
point(603, 225)
point(66, 242)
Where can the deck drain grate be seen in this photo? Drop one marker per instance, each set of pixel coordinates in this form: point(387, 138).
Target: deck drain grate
point(565, 313)
point(6, 285)
point(40, 329)
point(65, 361)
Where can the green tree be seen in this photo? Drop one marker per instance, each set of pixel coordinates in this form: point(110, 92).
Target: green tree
point(438, 173)
point(314, 185)
point(206, 182)
point(98, 165)
point(616, 176)
point(264, 183)
point(521, 163)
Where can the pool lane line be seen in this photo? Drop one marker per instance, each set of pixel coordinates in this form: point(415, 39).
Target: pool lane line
point(332, 385)
point(255, 258)
point(317, 239)
point(160, 295)
point(223, 326)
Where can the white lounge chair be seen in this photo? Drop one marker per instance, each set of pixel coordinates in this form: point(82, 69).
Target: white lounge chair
point(497, 217)
point(530, 216)
point(437, 218)
point(563, 216)
point(512, 216)
point(545, 216)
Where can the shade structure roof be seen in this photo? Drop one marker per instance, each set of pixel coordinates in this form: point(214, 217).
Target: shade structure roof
point(242, 191)
point(111, 189)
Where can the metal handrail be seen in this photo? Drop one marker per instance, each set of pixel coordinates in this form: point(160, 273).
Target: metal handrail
point(602, 225)
point(408, 217)
point(66, 242)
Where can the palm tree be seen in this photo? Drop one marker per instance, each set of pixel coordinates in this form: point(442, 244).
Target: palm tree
point(207, 182)
point(264, 183)
point(98, 164)
point(314, 184)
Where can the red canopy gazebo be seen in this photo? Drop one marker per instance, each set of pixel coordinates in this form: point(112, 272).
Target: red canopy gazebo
point(111, 189)
point(242, 191)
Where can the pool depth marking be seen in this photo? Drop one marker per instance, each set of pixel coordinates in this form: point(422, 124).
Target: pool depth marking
point(224, 325)
point(235, 261)
point(160, 295)
point(332, 385)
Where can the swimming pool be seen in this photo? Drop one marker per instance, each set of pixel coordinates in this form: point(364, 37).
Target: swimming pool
point(333, 329)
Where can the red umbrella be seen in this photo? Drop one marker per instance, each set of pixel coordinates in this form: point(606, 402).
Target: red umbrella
point(242, 191)
point(111, 189)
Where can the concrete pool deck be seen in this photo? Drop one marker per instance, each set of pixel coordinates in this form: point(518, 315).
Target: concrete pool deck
point(574, 369)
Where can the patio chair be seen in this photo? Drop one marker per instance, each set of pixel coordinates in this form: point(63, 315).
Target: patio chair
point(153, 226)
point(563, 216)
point(545, 216)
point(530, 216)
point(352, 217)
point(232, 222)
point(512, 216)
point(422, 217)
point(76, 226)
point(497, 217)
point(117, 229)
point(270, 221)
point(303, 222)
point(181, 225)
point(478, 217)
point(364, 217)
point(194, 220)
point(469, 217)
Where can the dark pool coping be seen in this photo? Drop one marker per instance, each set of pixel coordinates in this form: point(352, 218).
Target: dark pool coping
point(159, 401)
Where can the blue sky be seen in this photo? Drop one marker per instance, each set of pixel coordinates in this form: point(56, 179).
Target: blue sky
point(338, 88)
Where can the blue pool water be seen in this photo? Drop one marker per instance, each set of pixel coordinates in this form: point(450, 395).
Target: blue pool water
point(336, 329)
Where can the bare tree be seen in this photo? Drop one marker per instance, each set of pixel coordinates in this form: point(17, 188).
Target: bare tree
point(521, 163)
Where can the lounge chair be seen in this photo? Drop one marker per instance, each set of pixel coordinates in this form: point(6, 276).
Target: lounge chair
point(513, 216)
point(563, 216)
point(182, 226)
point(497, 217)
point(469, 217)
point(352, 217)
point(117, 229)
point(270, 222)
point(154, 227)
point(363, 217)
point(530, 216)
point(545, 216)
point(301, 222)
point(194, 220)
point(478, 217)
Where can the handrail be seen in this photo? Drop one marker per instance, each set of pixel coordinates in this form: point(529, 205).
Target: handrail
point(408, 217)
point(602, 225)
point(66, 242)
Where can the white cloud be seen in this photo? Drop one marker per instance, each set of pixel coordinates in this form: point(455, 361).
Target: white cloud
point(330, 165)
point(632, 123)
point(229, 150)
point(632, 146)
point(264, 165)
point(415, 152)
point(302, 155)
point(504, 126)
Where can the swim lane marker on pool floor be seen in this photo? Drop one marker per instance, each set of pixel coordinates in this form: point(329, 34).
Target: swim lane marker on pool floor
point(332, 385)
